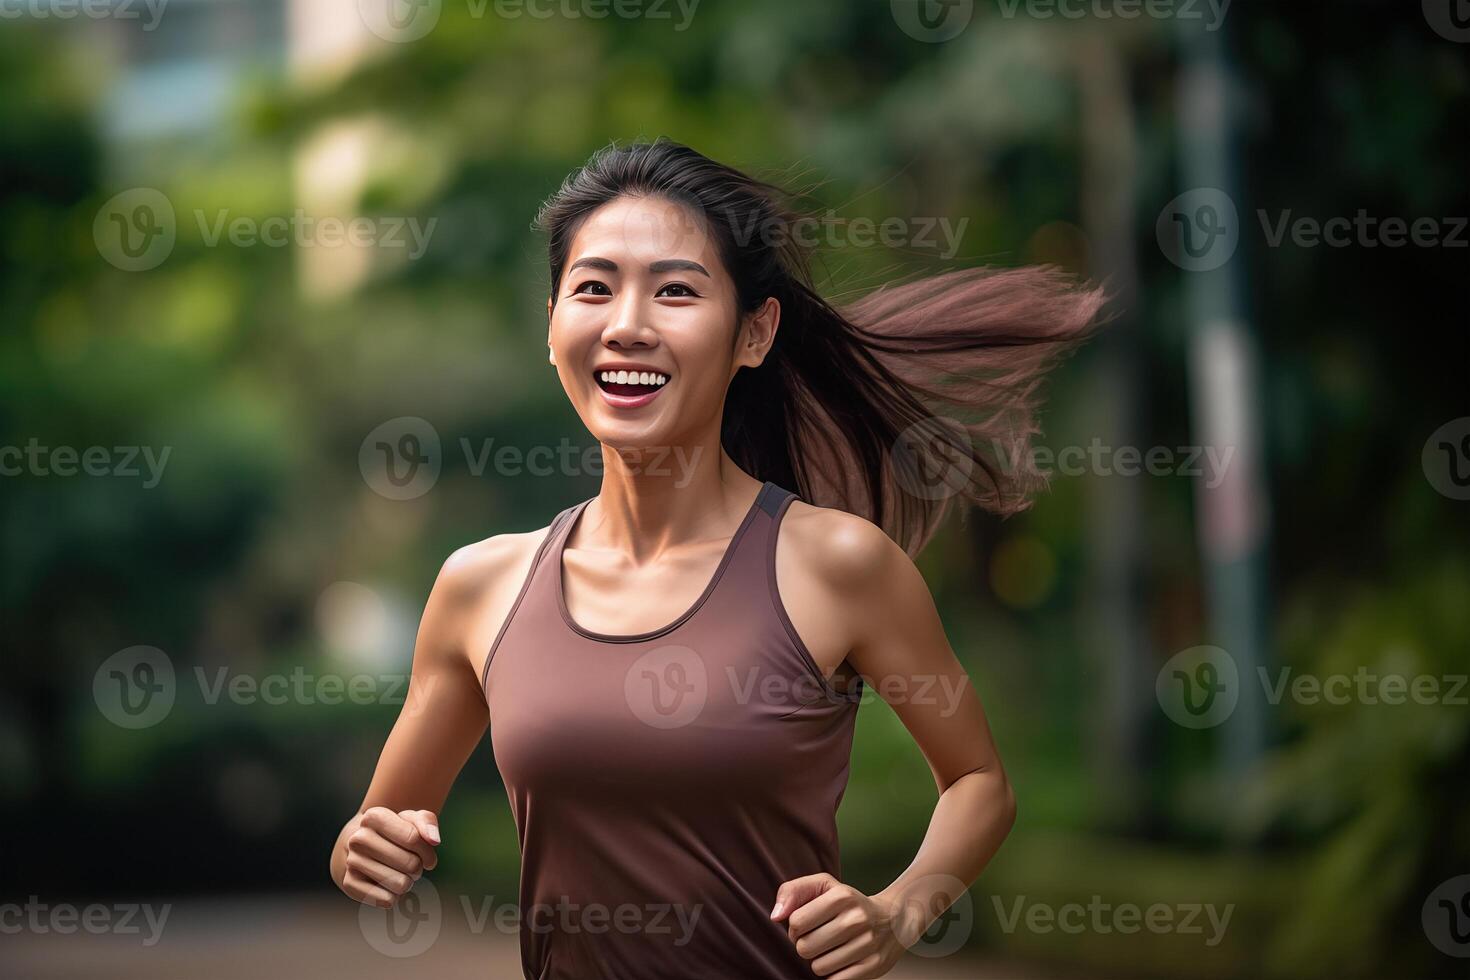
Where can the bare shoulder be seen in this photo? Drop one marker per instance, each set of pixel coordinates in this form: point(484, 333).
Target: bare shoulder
point(845, 551)
point(835, 572)
point(474, 569)
point(475, 590)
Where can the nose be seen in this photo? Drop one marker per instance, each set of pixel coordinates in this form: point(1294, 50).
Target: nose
point(628, 324)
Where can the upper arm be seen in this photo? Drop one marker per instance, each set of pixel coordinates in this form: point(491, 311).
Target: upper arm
point(444, 715)
point(898, 645)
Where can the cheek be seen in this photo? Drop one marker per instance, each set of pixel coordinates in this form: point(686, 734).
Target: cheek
point(573, 326)
point(703, 345)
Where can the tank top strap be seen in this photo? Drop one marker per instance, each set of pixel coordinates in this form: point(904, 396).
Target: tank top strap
point(753, 576)
point(773, 498)
point(760, 540)
point(747, 566)
point(535, 581)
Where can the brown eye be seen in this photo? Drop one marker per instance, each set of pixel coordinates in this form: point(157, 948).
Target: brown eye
point(678, 285)
point(593, 282)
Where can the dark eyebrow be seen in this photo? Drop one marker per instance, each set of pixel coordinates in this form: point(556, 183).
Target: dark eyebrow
point(592, 262)
point(662, 265)
point(672, 265)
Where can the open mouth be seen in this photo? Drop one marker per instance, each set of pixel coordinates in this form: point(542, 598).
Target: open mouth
point(631, 384)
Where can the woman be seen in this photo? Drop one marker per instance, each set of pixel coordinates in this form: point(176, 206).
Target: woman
point(673, 727)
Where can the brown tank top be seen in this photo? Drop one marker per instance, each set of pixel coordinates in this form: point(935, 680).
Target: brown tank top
point(664, 784)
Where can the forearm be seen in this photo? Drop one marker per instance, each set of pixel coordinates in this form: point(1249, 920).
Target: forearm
point(973, 816)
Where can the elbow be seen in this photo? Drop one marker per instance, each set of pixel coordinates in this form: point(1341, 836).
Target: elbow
point(1007, 806)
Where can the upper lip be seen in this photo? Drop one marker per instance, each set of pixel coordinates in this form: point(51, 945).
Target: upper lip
point(630, 366)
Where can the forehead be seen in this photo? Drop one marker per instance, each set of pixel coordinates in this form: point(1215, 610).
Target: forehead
point(640, 230)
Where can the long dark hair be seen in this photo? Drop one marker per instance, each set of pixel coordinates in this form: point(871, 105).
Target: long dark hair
point(890, 407)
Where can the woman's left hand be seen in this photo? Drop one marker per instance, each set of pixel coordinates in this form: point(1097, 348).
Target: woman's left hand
point(847, 935)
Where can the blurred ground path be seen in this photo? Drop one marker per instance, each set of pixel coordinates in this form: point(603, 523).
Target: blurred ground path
point(311, 938)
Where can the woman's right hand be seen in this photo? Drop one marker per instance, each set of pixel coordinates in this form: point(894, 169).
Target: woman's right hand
point(386, 852)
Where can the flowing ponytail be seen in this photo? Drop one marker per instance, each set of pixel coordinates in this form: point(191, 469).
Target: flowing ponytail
point(890, 407)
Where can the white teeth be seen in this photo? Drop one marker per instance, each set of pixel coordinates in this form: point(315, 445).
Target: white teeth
point(633, 377)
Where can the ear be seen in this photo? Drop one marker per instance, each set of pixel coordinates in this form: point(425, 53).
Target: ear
point(551, 355)
point(757, 333)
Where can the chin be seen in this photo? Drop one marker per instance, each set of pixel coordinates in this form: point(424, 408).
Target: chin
point(627, 436)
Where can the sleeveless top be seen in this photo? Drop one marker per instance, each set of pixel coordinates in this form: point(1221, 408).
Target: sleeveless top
point(664, 784)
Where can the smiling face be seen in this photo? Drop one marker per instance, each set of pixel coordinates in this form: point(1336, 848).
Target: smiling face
point(643, 327)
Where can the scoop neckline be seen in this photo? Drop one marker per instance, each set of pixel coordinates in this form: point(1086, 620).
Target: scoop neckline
point(561, 597)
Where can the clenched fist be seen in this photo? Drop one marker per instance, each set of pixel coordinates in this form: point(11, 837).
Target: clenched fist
point(386, 852)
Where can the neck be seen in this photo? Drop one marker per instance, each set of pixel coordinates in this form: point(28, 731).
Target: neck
point(651, 501)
